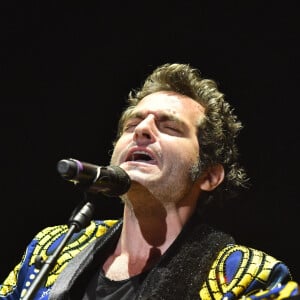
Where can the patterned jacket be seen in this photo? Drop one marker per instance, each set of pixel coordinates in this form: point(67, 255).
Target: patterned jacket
point(202, 263)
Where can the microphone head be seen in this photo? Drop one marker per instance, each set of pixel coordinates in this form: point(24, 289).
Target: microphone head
point(115, 180)
point(77, 171)
point(112, 181)
point(67, 168)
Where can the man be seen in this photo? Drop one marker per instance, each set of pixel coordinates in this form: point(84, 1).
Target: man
point(176, 141)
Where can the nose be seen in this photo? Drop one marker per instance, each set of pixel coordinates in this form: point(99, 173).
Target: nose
point(144, 132)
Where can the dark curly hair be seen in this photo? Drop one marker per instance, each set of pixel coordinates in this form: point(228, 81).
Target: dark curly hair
point(217, 131)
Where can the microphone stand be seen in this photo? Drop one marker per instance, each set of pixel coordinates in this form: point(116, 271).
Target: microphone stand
point(78, 221)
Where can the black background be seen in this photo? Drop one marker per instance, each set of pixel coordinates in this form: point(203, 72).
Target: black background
point(66, 69)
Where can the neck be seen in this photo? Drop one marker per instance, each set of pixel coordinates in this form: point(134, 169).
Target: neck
point(149, 228)
point(141, 244)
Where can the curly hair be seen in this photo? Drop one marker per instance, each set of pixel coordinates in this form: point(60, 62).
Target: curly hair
point(217, 131)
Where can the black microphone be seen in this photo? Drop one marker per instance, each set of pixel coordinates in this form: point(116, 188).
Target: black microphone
point(112, 181)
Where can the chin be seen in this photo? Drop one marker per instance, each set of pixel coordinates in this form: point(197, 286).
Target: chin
point(142, 177)
point(137, 175)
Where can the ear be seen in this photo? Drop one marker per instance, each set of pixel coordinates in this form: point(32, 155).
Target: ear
point(212, 178)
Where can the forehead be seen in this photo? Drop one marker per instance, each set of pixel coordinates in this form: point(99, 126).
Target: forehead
point(170, 103)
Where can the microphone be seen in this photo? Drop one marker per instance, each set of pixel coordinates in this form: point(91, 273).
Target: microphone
point(112, 181)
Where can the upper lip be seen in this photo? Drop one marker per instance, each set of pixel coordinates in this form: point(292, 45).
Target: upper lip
point(140, 153)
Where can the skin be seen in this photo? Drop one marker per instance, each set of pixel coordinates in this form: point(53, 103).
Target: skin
point(162, 197)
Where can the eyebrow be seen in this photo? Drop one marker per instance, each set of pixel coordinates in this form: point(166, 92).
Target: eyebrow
point(160, 116)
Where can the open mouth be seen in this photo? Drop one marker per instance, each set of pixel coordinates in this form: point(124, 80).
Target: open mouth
point(140, 156)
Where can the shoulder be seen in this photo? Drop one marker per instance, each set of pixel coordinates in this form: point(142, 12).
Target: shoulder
point(43, 244)
point(239, 259)
point(239, 270)
point(96, 228)
point(49, 238)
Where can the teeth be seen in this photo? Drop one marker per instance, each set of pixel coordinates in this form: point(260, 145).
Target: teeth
point(137, 155)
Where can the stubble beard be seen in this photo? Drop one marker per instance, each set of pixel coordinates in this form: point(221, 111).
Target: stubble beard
point(174, 190)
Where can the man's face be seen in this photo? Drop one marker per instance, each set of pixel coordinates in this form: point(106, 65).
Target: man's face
point(159, 145)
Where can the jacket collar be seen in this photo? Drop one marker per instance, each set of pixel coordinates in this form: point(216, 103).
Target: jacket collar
point(185, 264)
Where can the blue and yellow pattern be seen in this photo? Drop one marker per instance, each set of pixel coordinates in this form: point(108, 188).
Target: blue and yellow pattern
point(238, 272)
point(43, 245)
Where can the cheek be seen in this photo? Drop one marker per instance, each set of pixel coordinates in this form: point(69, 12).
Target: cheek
point(189, 150)
point(183, 154)
point(118, 149)
point(116, 153)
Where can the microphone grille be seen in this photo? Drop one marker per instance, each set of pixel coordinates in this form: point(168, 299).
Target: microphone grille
point(67, 168)
point(119, 180)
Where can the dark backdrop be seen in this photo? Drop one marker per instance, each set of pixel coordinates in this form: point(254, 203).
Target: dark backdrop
point(66, 69)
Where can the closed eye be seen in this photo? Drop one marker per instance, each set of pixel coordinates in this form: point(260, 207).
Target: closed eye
point(171, 127)
point(130, 127)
